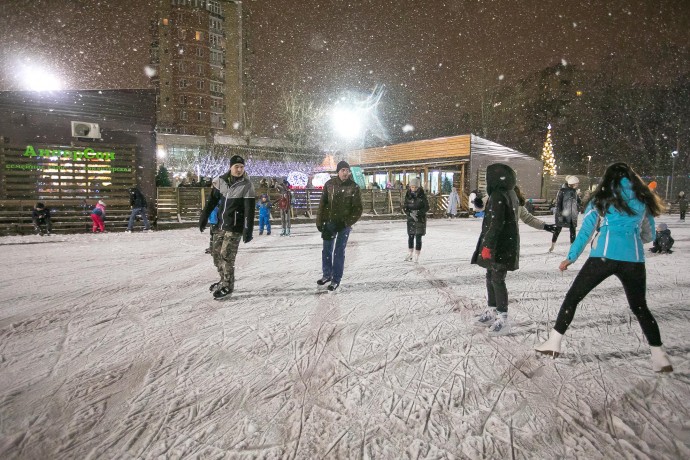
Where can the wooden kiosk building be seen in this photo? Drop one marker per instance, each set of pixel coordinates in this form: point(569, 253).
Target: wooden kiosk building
point(464, 158)
point(69, 149)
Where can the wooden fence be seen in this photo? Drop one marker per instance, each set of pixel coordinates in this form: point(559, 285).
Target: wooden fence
point(184, 204)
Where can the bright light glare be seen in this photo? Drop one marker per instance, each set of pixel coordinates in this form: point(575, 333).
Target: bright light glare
point(35, 77)
point(160, 152)
point(347, 123)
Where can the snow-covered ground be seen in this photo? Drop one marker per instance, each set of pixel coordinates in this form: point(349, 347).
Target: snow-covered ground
point(112, 347)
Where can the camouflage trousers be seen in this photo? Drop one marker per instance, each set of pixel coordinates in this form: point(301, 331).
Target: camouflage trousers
point(224, 249)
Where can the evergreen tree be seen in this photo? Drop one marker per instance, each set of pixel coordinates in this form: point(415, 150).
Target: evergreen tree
point(162, 177)
point(547, 157)
point(446, 186)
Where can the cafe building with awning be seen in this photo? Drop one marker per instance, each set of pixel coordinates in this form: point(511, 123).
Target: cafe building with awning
point(458, 161)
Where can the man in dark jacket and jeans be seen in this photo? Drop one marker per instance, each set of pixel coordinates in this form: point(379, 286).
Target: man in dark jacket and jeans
point(137, 201)
point(234, 195)
point(498, 248)
point(339, 209)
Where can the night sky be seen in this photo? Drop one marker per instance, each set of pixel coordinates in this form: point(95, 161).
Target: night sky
point(433, 57)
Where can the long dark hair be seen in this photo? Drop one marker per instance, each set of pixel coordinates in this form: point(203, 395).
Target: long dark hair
point(608, 191)
point(521, 197)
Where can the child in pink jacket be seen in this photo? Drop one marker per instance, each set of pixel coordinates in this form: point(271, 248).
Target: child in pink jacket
point(98, 217)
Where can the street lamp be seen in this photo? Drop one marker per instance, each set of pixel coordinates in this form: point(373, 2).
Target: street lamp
point(589, 178)
point(674, 155)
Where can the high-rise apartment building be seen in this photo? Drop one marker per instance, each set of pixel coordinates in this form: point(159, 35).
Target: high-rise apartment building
point(197, 62)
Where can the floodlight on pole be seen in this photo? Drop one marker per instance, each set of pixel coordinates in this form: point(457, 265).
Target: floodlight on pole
point(674, 155)
point(347, 123)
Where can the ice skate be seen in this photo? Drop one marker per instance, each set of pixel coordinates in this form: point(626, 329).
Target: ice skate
point(552, 346)
point(487, 317)
point(416, 256)
point(333, 286)
point(408, 257)
point(214, 286)
point(222, 293)
point(323, 280)
point(553, 245)
point(660, 361)
point(500, 326)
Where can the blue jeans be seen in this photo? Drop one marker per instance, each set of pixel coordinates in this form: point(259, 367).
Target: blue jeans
point(133, 216)
point(333, 255)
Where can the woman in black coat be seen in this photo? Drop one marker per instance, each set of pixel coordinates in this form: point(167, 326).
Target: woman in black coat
point(498, 248)
point(416, 206)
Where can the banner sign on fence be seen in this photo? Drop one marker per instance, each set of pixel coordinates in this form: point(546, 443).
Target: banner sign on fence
point(358, 176)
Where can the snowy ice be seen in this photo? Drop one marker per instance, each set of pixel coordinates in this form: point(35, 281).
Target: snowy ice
point(112, 347)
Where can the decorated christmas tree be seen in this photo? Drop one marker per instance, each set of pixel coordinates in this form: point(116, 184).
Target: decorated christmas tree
point(547, 157)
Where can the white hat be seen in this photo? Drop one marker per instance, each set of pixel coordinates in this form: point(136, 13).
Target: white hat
point(101, 202)
point(415, 182)
point(572, 180)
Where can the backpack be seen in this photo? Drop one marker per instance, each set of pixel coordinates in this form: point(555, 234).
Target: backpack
point(213, 217)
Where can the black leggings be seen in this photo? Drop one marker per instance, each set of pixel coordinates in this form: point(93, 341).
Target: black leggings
point(557, 231)
point(496, 289)
point(411, 241)
point(633, 275)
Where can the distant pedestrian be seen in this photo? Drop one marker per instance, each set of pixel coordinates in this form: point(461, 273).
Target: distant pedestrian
point(618, 220)
point(682, 205)
point(234, 194)
point(264, 206)
point(415, 207)
point(339, 209)
point(98, 217)
point(453, 203)
point(137, 201)
point(567, 209)
point(40, 216)
point(285, 207)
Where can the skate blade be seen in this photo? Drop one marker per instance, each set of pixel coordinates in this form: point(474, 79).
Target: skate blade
point(665, 369)
point(553, 354)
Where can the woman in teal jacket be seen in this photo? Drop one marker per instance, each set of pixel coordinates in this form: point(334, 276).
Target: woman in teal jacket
point(618, 220)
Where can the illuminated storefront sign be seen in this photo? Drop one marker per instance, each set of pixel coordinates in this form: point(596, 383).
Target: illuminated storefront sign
point(88, 160)
point(86, 154)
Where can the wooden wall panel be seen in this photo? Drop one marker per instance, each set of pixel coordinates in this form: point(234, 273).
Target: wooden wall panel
point(444, 147)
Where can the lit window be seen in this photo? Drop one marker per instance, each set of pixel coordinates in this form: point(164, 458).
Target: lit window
point(579, 93)
point(198, 36)
point(165, 21)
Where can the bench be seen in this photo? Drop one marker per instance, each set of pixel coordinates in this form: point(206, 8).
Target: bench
point(66, 217)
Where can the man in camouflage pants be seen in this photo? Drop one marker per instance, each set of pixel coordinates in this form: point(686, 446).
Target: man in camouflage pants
point(234, 195)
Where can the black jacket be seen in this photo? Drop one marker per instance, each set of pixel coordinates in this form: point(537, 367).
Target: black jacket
point(416, 207)
point(340, 205)
point(500, 225)
point(567, 206)
point(40, 215)
point(136, 198)
point(236, 201)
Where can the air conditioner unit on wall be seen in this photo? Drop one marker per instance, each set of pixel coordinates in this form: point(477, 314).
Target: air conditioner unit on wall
point(86, 130)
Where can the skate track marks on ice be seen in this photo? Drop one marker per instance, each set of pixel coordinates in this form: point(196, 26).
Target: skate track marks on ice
point(111, 347)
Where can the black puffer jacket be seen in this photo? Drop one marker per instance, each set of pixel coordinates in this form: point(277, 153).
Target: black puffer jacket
point(500, 225)
point(416, 207)
point(236, 201)
point(136, 198)
point(340, 205)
